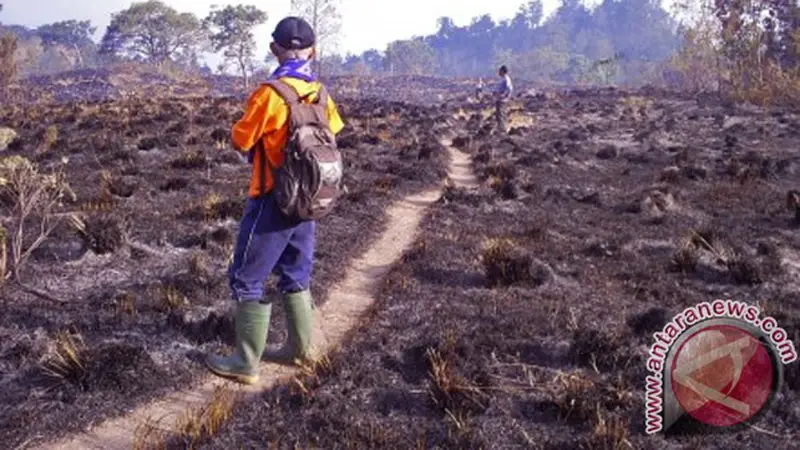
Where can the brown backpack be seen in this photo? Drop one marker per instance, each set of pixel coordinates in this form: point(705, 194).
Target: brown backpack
point(308, 183)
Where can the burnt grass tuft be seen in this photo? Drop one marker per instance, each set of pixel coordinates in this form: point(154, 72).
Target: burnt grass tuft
point(191, 160)
point(505, 263)
point(793, 205)
point(104, 233)
point(604, 350)
point(464, 348)
point(648, 322)
point(213, 327)
point(114, 367)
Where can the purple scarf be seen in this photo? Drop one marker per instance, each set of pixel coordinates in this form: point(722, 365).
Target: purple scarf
point(295, 68)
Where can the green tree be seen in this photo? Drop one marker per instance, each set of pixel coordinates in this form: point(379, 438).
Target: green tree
point(325, 18)
point(412, 56)
point(503, 57)
point(446, 27)
point(152, 31)
point(73, 34)
point(482, 33)
point(542, 64)
point(332, 64)
point(231, 31)
point(559, 48)
point(270, 59)
point(520, 31)
point(8, 62)
point(373, 59)
point(750, 47)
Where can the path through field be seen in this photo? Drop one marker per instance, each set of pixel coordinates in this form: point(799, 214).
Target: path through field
point(347, 301)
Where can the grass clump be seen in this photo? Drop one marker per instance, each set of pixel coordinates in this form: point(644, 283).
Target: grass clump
point(102, 233)
point(68, 361)
point(213, 207)
point(313, 372)
point(793, 205)
point(194, 427)
point(686, 257)
point(203, 423)
point(572, 395)
point(191, 160)
point(126, 304)
point(740, 267)
point(506, 263)
point(610, 432)
point(172, 299)
point(451, 392)
point(49, 138)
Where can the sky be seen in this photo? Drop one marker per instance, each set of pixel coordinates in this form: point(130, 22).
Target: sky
point(366, 24)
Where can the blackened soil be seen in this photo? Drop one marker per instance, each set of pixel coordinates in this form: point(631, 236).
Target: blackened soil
point(598, 199)
point(157, 173)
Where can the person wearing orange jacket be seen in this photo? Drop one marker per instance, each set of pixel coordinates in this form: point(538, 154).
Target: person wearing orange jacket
point(269, 242)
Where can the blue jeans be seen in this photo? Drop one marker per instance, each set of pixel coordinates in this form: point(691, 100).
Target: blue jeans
point(269, 242)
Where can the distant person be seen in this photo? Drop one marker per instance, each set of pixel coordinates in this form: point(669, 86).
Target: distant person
point(502, 94)
point(479, 89)
point(268, 240)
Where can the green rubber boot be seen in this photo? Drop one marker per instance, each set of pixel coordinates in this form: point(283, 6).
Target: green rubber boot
point(299, 316)
point(252, 324)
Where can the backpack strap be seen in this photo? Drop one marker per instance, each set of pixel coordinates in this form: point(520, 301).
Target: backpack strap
point(301, 113)
point(262, 167)
point(297, 115)
point(320, 107)
point(322, 97)
point(285, 91)
point(292, 97)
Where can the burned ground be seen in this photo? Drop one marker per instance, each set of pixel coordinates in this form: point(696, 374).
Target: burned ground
point(522, 316)
point(139, 268)
point(135, 80)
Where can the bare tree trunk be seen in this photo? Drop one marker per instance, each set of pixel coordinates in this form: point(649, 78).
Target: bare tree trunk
point(319, 63)
point(79, 55)
point(3, 255)
point(243, 67)
point(315, 20)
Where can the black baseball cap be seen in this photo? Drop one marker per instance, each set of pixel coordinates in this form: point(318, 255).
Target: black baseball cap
point(294, 33)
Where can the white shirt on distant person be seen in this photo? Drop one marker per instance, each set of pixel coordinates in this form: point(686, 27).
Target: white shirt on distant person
point(505, 88)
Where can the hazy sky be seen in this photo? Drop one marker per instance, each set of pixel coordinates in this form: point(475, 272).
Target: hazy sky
point(366, 23)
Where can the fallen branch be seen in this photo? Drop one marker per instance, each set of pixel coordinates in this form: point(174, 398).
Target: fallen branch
point(770, 433)
point(524, 434)
point(144, 248)
point(26, 443)
point(38, 293)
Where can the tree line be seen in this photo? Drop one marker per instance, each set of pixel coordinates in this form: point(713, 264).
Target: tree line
point(731, 45)
point(609, 43)
point(152, 32)
point(612, 42)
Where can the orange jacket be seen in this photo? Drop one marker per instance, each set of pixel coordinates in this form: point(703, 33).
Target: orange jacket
point(266, 118)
